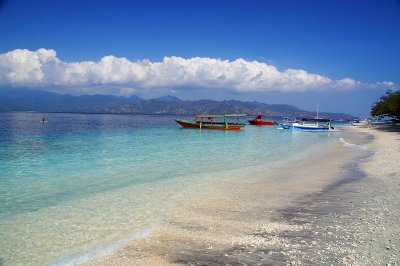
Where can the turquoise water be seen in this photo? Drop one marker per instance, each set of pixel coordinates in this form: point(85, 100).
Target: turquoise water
point(80, 180)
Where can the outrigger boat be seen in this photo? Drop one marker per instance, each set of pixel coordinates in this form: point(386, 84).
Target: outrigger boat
point(207, 122)
point(258, 121)
point(319, 124)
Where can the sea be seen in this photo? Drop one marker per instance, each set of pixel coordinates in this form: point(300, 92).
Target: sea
point(81, 186)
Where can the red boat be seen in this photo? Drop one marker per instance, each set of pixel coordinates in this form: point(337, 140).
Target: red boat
point(258, 121)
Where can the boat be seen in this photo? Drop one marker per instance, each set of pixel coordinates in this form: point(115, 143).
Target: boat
point(258, 121)
point(318, 124)
point(208, 122)
point(358, 122)
point(288, 120)
point(381, 120)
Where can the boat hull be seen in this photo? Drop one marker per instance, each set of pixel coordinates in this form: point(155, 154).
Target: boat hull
point(262, 123)
point(208, 125)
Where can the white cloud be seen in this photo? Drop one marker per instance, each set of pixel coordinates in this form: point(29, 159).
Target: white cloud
point(43, 69)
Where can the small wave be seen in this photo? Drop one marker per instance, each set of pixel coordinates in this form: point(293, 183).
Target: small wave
point(102, 251)
point(346, 144)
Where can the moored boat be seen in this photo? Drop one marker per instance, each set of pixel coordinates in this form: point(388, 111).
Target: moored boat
point(258, 121)
point(208, 122)
point(381, 120)
point(358, 122)
point(318, 124)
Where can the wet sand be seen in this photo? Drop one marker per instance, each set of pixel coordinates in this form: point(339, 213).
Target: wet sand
point(340, 207)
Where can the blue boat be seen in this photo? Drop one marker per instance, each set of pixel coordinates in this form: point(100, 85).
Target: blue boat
point(318, 124)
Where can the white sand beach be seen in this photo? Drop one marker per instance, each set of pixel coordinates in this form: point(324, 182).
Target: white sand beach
point(378, 229)
point(347, 214)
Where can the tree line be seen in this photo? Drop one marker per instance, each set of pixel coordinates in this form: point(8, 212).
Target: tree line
point(388, 104)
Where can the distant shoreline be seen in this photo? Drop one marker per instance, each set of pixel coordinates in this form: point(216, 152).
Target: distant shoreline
point(276, 118)
point(44, 101)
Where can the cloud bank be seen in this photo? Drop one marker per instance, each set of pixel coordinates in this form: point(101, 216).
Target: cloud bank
point(42, 69)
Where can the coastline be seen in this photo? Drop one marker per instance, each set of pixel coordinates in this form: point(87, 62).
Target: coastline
point(378, 229)
point(344, 217)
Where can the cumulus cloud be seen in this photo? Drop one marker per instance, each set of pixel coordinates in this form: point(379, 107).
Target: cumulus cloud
point(43, 69)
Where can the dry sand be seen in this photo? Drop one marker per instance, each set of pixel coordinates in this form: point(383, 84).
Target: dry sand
point(347, 214)
point(377, 232)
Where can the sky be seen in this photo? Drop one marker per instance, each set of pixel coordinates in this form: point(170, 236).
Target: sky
point(340, 54)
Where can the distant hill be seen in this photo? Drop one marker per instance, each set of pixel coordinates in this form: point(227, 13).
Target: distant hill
point(38, 100)
point(43, 101)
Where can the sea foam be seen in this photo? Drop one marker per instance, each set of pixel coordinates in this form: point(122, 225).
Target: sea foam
point(351, 145)
point(102, 251)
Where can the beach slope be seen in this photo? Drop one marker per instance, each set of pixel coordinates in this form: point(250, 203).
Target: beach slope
point(347, 214)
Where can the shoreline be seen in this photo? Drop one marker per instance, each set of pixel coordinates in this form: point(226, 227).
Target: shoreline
point(378, 229)
point(322, 225)
point(356, 222)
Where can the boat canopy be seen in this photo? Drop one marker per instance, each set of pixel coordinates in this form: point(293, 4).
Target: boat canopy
point(220, 116)
point(316, 119)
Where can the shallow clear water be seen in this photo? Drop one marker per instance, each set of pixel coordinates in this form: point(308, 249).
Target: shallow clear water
point(80, 180)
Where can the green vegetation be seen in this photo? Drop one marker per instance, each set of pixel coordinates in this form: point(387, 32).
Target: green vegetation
point(388, 104)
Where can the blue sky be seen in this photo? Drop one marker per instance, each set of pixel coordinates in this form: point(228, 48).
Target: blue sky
point(336, 40)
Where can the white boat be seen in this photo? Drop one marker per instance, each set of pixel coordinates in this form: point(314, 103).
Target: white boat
point(358, 122)
point(310, 124)
point(381, 120)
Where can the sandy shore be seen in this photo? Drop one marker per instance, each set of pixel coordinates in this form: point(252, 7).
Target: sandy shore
point(346, 214)
point(377, 231)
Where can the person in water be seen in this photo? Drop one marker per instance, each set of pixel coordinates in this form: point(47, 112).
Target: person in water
point(43, 120)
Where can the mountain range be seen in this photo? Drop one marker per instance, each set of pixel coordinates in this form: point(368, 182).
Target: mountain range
point(12, 99)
